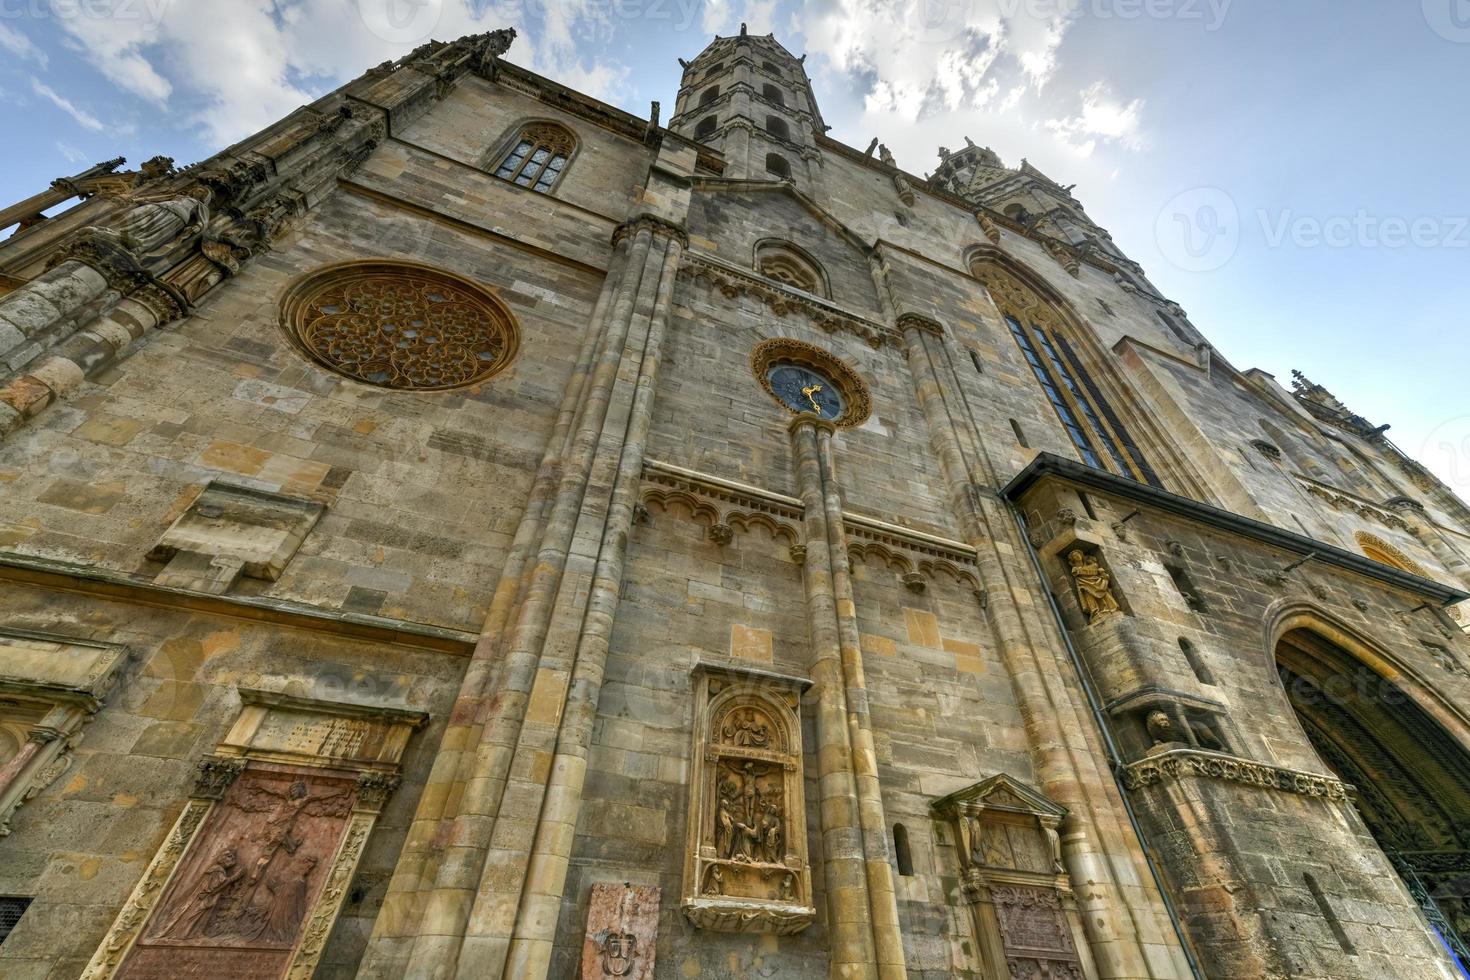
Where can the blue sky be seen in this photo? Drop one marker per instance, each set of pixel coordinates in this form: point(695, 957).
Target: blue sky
point(1292, 172)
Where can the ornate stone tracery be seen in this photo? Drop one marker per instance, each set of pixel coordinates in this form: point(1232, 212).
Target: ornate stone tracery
point(399, 325)
point(1388, 554)
point(747, 868)
point(787, 264)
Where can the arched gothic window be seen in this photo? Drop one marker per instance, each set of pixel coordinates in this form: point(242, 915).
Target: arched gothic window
point(709, 95)
point(777, 127)
point(1095, 429)
point(538, 158)
point(788, 264)
point(777, 165)
point(706, 127)
point(773, 94)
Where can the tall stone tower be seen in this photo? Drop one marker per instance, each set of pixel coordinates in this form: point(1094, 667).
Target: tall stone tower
point(750, 99)
point(467, 530)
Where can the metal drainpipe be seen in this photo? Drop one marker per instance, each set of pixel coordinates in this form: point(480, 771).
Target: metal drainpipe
point(1115, 762)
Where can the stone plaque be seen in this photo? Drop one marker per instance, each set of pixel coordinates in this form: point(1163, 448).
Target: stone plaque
point(622, 932)
point(1034, 927)
point(237, 905)
point(324, 737)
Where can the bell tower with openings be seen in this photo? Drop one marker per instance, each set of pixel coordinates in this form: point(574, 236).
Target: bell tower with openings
point(749, 98)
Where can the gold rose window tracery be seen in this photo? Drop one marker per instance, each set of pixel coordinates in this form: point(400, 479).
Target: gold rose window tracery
point(399, 325)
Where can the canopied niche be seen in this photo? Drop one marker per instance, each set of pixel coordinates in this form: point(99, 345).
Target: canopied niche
point(50, 687)
point(1013, 878)
point(746, 869)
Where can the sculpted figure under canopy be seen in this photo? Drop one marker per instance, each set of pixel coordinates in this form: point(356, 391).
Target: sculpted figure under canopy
point(1093, 583)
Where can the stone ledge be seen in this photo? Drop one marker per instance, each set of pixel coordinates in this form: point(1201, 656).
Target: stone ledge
point(1049, 465)
point(736, 915)
point(105, 583)
point(1179, 763)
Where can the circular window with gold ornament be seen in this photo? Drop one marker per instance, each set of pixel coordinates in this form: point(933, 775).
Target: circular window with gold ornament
point(806, 380)
point(399, 325)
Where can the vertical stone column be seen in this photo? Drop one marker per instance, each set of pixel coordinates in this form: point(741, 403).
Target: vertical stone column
point(849, 905)
point(417, 868)
point(535, 928)
point(505, 807)
point(427, 911)
point(1124, 919)
point(887, 937)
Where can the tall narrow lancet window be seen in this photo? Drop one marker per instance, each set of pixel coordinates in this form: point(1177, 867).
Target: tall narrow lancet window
point(1095, 429)
point(538, 158)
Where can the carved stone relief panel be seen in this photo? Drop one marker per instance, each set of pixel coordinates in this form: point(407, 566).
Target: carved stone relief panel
point(239, 900)
point(747, 869)
point(251, 878)
point(1014, 881)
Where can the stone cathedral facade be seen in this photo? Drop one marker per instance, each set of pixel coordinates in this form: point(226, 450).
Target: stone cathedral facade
point(467, 530)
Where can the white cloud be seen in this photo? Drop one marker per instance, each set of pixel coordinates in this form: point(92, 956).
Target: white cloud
point(84, 118)
point(69, 152)
point(919, 57)
point(233, 67)
point(21, 46)
point(1100, 118)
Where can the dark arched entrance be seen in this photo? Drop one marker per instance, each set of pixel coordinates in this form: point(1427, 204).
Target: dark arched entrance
point(1412, 779)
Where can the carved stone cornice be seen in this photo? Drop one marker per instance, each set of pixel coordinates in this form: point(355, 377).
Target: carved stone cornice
point(1344, 501)
point(1182, 763)
point(660, 228)
point(722, 507)
point(782, 300)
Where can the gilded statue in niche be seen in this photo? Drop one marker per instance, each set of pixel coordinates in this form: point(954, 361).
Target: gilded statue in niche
point(1094, 586)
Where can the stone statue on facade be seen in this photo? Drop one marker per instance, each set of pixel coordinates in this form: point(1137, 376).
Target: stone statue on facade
point(1094, 590)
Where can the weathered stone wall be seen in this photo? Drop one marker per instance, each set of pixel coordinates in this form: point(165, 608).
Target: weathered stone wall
point(539, 563)
point(1237, 852)
point(79, 847)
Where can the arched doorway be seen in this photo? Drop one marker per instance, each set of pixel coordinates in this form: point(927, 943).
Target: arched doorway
point(1412, 778)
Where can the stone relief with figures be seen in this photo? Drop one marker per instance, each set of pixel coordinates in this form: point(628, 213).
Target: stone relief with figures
point(747, 870)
